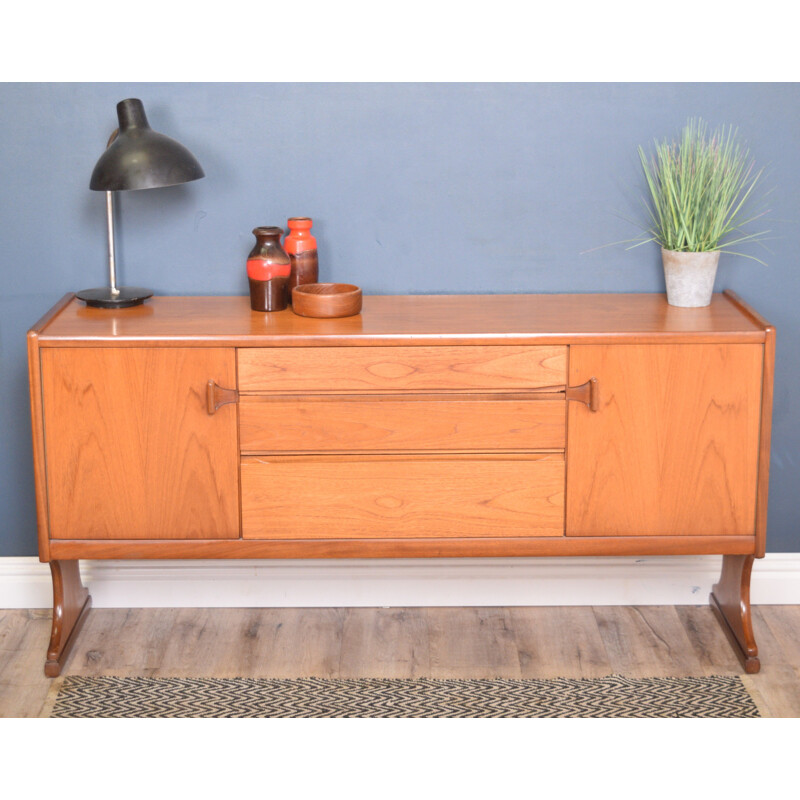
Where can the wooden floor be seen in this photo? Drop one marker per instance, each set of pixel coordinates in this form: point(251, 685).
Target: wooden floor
point(403, 642)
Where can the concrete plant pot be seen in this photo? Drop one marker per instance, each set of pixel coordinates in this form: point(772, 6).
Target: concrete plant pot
point(689, 277)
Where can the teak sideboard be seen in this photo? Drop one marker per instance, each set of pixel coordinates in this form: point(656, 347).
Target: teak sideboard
point(426, 426)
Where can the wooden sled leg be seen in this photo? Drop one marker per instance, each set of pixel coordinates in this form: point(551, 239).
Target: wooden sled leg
point(730, 601)
point(71, 604)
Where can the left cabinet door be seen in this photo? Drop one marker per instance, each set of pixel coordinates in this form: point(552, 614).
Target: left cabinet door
point(131, 451)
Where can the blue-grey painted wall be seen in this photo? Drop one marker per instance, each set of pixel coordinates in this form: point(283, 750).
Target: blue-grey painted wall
point(414, 188)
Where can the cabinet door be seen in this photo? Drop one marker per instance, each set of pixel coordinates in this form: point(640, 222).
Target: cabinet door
point(673, 447)
point(131, 450)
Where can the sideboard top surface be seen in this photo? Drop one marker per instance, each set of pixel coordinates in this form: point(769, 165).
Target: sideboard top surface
point(408, 320)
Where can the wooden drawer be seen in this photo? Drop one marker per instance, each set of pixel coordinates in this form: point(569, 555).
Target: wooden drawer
point(365, 369)
point(362, 497)
point(386, 423)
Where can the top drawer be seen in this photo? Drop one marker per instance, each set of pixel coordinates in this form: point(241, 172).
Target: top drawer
point(380, 369)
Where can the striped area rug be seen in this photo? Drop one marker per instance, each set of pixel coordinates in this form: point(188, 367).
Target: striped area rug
point(612, 696)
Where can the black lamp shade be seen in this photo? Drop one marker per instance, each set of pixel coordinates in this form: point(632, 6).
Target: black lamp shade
point(140, 158)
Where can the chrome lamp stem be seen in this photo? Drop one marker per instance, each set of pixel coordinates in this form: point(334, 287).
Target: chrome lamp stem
point(112, 266)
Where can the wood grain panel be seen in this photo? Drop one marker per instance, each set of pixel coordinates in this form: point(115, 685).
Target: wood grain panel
point(318, 497)
point(340, 369)
point(320, 424)
point(767, 383)
point(413, 320)
point(475, 547)
point(131, 451)
point(765, 442)
point(37, 422)
point(673, 448)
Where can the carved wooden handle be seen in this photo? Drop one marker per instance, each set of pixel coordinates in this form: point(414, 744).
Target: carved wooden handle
point(587, 393)
point(216, 396)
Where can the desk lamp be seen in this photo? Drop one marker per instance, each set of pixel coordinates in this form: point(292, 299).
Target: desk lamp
point(136, 157)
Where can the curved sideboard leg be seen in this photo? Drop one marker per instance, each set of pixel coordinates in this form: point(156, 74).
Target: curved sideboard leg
point(71, 604)
point(730, 600)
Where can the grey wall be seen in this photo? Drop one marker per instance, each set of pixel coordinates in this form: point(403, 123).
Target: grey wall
point(414, 188)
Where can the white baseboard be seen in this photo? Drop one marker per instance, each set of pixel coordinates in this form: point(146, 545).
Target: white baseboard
point(660, 580)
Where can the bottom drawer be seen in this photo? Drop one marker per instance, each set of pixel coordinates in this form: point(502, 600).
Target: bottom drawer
point(360, 497)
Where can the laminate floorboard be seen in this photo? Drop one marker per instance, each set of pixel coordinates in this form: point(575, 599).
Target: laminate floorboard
point(710, 645)
point(472, 643)
point(249, 641)
point(777, 630)
point(783, 623)
point(385, 643)
point(199, 643)
point(402, 642)
point(116, 641)
point(23, 686)
point(13, 628)
point(559, 642)
point(304, 643)
point(646, 641)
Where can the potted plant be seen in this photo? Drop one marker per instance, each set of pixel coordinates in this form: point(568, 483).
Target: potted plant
point(701, 189)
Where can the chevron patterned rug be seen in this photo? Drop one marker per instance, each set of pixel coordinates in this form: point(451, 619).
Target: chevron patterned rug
point(613, 696)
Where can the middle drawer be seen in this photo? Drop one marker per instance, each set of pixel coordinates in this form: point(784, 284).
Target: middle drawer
point(424, 368)
point(386, 423)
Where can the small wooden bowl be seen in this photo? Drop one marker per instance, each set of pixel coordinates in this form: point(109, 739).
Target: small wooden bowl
point(326, 300)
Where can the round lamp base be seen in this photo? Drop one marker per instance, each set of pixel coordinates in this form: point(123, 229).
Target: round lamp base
point(125, 297)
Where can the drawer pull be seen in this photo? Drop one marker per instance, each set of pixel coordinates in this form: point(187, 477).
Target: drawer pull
point(216, 396)
point(587, 393)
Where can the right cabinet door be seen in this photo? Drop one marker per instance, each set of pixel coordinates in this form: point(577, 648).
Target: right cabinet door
point(672, 449)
